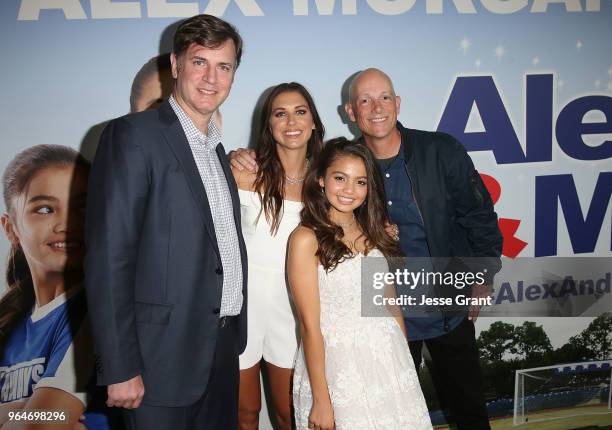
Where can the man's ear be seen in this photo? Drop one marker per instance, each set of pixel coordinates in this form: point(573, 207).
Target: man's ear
point(9, 230)
point(398, 102)
point(349, 111)
point(174, 65)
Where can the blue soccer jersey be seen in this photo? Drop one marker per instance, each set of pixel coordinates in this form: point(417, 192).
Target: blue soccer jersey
point(52, 347)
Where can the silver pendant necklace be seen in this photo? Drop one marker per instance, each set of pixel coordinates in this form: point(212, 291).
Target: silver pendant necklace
point(296, 181)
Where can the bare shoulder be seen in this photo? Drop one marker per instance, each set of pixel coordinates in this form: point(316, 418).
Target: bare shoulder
point(244, 179)
point(303, 239)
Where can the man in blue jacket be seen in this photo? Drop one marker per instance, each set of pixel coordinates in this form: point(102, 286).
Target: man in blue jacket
point(441, 208)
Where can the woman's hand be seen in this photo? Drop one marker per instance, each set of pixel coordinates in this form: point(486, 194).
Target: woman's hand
point(321, 416)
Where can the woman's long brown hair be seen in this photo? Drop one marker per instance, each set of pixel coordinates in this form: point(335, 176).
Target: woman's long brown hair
point(371, 215)
point(270, 179)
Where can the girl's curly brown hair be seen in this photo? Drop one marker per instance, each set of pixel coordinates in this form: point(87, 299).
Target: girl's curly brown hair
point(371, 215)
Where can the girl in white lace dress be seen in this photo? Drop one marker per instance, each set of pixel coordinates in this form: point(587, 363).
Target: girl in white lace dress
point(352, 372)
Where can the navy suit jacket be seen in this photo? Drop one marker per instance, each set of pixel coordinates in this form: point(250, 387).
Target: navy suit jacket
point(153, 270)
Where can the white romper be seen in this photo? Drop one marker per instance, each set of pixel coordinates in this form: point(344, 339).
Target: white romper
point(272, 326)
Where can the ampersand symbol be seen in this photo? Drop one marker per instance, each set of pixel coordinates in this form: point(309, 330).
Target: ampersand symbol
point(508, 226)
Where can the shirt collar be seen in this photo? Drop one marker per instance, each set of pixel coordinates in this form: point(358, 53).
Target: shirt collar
point(39, 312)
point(400, 155)
point(214, 136)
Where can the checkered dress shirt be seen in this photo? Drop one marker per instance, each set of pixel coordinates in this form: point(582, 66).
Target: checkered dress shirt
point(220, 202)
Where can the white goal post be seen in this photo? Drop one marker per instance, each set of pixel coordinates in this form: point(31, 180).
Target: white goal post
point(562, 391)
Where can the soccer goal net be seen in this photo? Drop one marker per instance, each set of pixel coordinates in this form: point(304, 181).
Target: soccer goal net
point(562, 391)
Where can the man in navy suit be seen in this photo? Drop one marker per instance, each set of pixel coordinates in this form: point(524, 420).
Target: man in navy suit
point(166, 261)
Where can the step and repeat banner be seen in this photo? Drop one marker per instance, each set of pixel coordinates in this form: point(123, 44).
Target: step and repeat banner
point(525, 85)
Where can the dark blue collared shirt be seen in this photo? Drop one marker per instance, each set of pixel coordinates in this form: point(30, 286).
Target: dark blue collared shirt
point(402, 207)
point(425, 323)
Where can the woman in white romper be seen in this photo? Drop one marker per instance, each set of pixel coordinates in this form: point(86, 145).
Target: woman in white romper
point(290, 134)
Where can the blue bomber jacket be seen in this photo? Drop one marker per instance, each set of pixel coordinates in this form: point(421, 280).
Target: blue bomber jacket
point(454, 205)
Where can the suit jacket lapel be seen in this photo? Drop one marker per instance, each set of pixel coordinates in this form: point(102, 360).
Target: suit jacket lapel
point(176, 139)
point(233, 189)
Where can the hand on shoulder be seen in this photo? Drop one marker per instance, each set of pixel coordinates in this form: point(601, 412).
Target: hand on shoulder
point(244, 179)
point(243, 159)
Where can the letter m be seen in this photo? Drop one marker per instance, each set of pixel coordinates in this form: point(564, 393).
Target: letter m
point(325, 7)
point(583, 232)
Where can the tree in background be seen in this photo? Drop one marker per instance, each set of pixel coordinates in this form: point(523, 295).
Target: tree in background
point(495, 342)
point(530, 341)
point(573, 351)
point(595, 341)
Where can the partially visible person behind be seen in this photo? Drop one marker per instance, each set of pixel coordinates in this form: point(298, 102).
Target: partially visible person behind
point(46, 350)
point(291, 134)
point(352, 371)
point(153, 84)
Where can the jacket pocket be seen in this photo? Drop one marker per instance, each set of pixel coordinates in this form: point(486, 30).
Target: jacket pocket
point(476, 188)
point(153, 313)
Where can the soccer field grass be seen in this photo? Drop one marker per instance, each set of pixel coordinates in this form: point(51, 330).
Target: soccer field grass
point(592, 421)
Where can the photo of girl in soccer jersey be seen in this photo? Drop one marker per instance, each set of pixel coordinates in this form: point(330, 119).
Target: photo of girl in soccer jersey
point(46, 350)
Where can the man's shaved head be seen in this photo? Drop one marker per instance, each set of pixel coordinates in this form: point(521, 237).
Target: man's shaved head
point(363, 76)
point(374, 106)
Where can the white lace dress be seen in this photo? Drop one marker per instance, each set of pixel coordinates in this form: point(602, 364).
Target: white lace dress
point(370, 374)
